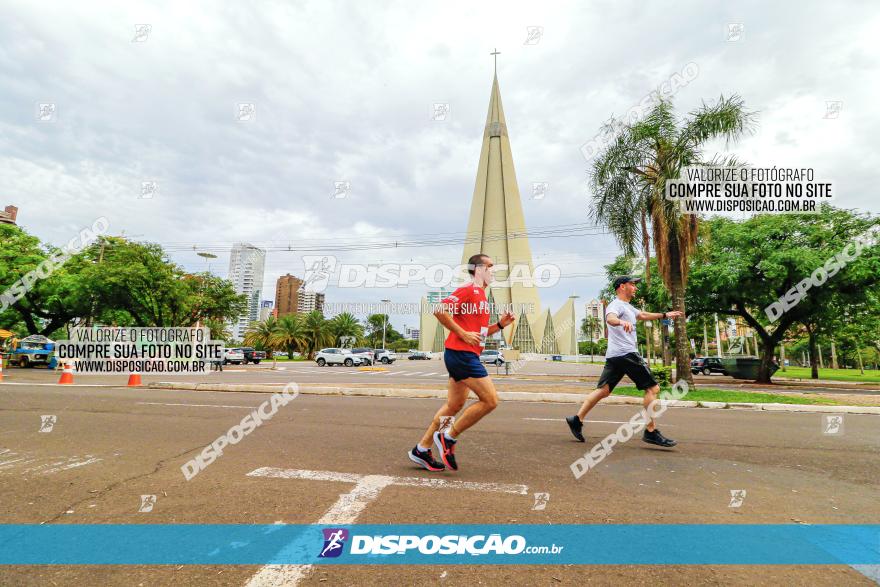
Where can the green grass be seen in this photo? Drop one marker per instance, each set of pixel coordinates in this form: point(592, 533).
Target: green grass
point(707, 394)
point(831, 374)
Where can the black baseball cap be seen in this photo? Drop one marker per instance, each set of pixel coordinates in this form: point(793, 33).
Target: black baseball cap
point(618, 281)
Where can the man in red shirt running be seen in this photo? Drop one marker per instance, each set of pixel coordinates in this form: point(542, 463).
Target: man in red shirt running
point(465, 313)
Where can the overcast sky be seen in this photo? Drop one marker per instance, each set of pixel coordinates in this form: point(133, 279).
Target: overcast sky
point(344, 91)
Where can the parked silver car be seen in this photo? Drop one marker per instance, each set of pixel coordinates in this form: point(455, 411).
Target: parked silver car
point(334, 356)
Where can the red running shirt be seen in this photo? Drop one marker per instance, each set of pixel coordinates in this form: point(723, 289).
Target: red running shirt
point(470, 310)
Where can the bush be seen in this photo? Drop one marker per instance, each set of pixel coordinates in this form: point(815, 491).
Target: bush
point(662, 374)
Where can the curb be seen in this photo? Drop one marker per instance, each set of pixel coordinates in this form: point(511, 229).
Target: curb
point(522, 396)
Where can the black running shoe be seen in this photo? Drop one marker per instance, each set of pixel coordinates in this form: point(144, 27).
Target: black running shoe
point(656, 438)
point(425, 459)
point(446, 448)
point(575, 425)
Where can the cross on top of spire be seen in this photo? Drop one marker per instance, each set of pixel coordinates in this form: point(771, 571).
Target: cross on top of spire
point(495, 54)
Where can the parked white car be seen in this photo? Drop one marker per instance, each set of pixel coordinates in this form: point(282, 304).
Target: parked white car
point(234, 356)
point(384, 356)
point(491, 356)
point(365, 353)
point(334, 356)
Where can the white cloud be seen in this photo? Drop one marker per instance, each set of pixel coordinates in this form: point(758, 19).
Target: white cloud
point(343, 91)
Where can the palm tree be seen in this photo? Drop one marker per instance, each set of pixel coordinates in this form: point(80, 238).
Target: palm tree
point(628, 181)
point(261, 335)
point(289, 334)
point(345, 324)
point(218, 329)
point(317, 332)
point(589, 327)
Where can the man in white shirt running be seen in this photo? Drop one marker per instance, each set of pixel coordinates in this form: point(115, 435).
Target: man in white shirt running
point(622, 358)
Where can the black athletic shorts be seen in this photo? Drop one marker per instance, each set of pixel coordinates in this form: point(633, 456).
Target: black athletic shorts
point(632, 365)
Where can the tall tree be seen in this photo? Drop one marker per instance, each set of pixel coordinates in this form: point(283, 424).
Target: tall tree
point(113, 281)
point(290, 334)
point(628, 181)
point(345, 324)
point(743, 267)
point(261, 335)
point(219, 329)
point(317, 332)
point(374, 326)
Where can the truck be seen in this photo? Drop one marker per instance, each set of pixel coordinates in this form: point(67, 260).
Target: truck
point(33, 351)
point(252, 356)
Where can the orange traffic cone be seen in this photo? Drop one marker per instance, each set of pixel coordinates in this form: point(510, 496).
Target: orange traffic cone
point(134, 380)
point(66, 375)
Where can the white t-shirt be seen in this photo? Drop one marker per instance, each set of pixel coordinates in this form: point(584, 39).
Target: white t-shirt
point(621, 342)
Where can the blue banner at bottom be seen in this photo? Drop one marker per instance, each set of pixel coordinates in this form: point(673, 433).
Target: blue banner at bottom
point(368, 544)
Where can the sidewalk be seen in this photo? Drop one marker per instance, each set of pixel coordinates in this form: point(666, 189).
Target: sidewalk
point(573, 398)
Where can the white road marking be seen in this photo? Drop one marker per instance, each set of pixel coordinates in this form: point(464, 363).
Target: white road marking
point(55, 464)
point(349, 506)
point(305, 474)
point(407, 481)
point(430, 374)
point(51, 467)
point(23, 462)
point(472, 485)
point(195, 405)
point(345, 511)
point(73, 465)
point(588, 421)
point(5, 463)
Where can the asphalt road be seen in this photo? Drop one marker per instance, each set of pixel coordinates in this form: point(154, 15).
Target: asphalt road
point(530, 376)
point(109, 446)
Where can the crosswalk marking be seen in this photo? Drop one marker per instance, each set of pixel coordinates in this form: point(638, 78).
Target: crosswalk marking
point(349, 507)
point(48, 468)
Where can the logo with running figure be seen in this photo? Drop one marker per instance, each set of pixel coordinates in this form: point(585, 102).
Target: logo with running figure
point(446, 423)
point(334, 540)
point(318, 270)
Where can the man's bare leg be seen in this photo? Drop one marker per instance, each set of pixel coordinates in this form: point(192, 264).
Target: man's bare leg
point(456, 395)
point(651, 435)
point(650, 396)
point(487, 401)
point(592, 399)
point(576, 422)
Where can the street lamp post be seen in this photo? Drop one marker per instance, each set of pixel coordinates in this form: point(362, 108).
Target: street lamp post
point(207, 257)
point(384, 323)
point(577, 351)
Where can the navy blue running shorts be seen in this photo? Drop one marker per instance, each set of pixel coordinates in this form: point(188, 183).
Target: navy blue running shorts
point(463, 364)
